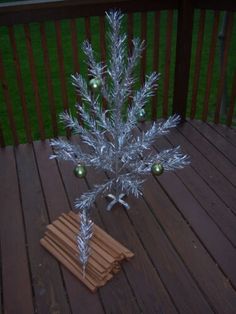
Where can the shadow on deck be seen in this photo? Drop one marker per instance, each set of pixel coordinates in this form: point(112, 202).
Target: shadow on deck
point(183, 232)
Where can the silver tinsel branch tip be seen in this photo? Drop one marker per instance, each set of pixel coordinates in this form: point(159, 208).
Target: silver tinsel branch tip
point(83, 237)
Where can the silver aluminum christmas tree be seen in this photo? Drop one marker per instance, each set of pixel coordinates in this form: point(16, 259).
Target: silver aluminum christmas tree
point(126, 156)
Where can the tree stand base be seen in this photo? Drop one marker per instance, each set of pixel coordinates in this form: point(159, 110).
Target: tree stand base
point(106, 253)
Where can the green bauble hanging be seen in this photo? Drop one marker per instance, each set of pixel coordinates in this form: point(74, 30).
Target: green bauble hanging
point(157, 169)
point(142, 115)
point(80, 171)
point(95, 84)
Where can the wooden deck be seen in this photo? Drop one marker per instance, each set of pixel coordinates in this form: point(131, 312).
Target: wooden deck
point(183, 232)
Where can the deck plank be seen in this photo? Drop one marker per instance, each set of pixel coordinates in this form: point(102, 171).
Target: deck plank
point(182, 232)
point(47, 283)
point(213, 155)
point(80, 298)
point(199, 220)
point(216, 140)
point(17, 293)
point(202, 192)
point(228, 133)
point(209, 173)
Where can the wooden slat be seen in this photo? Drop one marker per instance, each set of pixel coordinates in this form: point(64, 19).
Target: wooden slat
point(33, 11)
point(16, 282)
point(67, 262)
point(62, 235)
point(87, 22)
point(102, 38)
point(60, 57)
point(102, 42)
point(197, 63)
point(98, 239)
point(34, 81)
point(107, 239)
point(227, 149)
point(75, 54)
point(130, 37)
point(8, 102)
point(144, 54)
point(61, 65)
point(63, 242)
point(20, 85)
point(224, 166)
point(130, 30)
point(87, 28)
point(228, 5)
point(47, 284)
point(228, 133)
point(223, 69)
point(72, 223)
point(47, 69)
point(210, 65)
point(2, 140)
point(218, 183)
point(183, 57)
point(232, 101)
point(81, 300)
point(74, 44)
point(156, 44)
point(166, 83)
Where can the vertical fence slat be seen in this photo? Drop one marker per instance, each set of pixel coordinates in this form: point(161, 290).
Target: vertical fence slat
point(156, 44)
point(61, 65)
point(8, 102)
point(75, 54)
point(20, 85)
point(74, 44)
point(87, 22)
point(232, 101)
point(223, 68)
point(60, 58)
point(143, 37)
point(183, 56)
point(2, 140)
point(130, 30)
point(34, 81)
point(210, 65)
point(88, 28)
point(167, 63)
point(102, 40)
point(47, 69)
point(197, 63)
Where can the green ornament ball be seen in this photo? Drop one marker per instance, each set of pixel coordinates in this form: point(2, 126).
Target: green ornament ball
point(95, 84)
point(80, 171)
point(157, 169)
point(142, 115)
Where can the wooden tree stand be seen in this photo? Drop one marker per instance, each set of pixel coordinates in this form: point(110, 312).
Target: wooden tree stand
point(106, 253)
